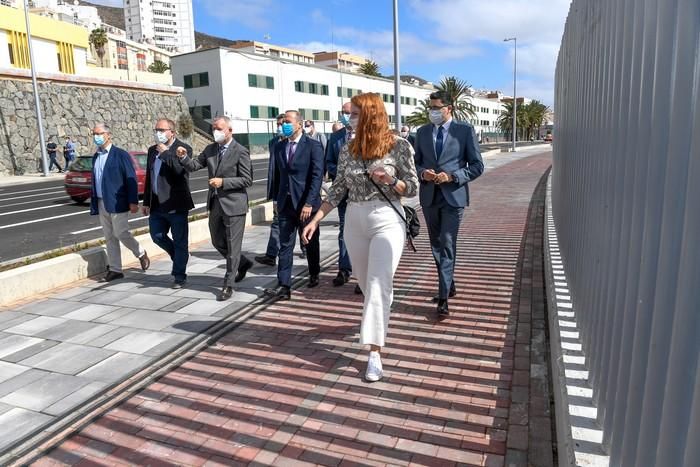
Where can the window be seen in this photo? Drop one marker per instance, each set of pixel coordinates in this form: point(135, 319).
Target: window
point(65, 57)
point(388, 98)
point(311, 88)
point(141, 61)
point(316, 114)
point(197, 80)
point(19, 49)
point(260, 81)
point(262, 111)
point(201, 111)
point(348, 92)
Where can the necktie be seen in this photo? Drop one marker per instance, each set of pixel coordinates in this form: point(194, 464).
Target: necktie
point(291, 147)
point(438, 142)
point(222, 151)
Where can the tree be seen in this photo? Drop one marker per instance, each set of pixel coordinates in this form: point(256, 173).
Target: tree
point(419, 116)
point(535, 113)
point(185, 125)
point(98, 39)
point(505, 120)
point(459, 92)
point(370, 68)
point(158, 67)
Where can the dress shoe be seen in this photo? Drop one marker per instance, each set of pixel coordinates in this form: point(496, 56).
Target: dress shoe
point(342, 277)
point(313, 281)
point(145, 262)
point(358, 289)
point(111, 275)
point(179, 283)
point(225, 294)
point(243, 269)
point(442, 308)
point(453, 292)
point(281, 292)
point(374, 368)
point(266, 260)
point(302, 255)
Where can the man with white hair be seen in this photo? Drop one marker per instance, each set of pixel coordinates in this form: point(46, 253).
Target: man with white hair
point(114, 195)
point(230, 175)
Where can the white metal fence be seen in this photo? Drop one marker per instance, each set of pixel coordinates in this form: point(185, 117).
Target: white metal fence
point(626, 204)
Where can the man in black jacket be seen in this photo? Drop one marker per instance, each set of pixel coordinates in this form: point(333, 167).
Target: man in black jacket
point(167, 198)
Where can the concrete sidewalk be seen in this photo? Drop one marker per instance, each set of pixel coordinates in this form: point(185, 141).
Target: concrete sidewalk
point(285, 386)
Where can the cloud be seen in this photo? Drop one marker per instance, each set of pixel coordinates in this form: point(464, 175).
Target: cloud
point(253, 14)
point(115, 3)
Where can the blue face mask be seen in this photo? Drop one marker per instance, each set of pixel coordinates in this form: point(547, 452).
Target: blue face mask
point(99, 139)
point(287, 129)
point(345, 119)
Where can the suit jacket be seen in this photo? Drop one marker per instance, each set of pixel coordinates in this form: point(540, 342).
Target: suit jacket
point(235, 169)
point(460, 157)
point(173, 181)
point(302, 178)
point(335, 142)
point(271, 167)
point(119, 184)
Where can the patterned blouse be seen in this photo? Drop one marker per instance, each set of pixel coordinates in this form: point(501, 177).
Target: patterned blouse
point(352, 176)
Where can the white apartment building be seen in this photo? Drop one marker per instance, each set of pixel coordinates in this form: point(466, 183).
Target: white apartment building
point(67, 11)
point(167, 24)
point(340, 60)
point(248, 87)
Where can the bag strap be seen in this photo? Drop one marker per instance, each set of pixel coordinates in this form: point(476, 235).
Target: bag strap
point(384, 194)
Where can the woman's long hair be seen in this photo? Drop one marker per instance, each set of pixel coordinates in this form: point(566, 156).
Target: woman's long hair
point(373, 137)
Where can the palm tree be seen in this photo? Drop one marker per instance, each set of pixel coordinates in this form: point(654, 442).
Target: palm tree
point(536, 113)
point(370, 68)
point(158, 67)
point(505, 120)
point(419, 116)
point(98, 39)
point(459, 93)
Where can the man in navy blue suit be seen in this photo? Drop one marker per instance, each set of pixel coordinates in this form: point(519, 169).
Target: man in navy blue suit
point(114, 195)
point(335, 143)
point(297, 190)
point(447, 159)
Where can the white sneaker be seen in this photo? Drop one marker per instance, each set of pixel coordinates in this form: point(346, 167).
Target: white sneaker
point(374, 367)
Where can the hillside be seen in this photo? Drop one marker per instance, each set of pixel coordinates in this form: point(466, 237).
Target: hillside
point(115, 17)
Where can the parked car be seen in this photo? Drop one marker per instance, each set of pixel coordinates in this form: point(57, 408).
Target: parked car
point(548, 138)
point(78, 181)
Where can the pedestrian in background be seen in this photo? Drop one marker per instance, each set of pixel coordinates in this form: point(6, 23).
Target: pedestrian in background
point(52, 147)
point(310, 130)
point(167, 199)
point(68, 152)
point(230, 175)
point(375, 232)
point(114, 195)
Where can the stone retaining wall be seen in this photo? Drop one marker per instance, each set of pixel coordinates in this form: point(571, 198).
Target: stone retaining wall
point(71, 108)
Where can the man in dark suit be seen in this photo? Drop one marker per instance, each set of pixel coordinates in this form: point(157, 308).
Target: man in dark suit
point(167, 198)
point(335, 143)
point(230, 174)
point(114, 195)
point(447, 158)
point(297, 181)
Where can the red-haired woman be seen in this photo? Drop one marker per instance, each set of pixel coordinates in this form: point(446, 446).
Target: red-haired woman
point(374, 232)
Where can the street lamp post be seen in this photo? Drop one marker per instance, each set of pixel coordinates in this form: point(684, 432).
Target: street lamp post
point(37, 103)
point(515, 68)
point(397, 73)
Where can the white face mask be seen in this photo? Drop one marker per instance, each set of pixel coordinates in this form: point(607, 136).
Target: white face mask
point(161, 138)
point(436, 117)
point(354, 121)
point(219, 136)
point(404, 133)
point(307, 129)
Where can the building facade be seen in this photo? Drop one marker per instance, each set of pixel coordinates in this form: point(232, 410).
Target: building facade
point(58, 47)
point(167, 24)
point(274, 51)
point(80, 15)
point(340, 61)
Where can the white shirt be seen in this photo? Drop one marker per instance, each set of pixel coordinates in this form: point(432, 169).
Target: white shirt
point(100, 167)
point(445, 128)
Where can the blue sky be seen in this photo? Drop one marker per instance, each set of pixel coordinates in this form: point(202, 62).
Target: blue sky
point(438, 38)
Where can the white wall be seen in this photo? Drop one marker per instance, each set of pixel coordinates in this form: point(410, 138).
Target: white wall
point(45, 55)
point(233, 96)
point(80, 59)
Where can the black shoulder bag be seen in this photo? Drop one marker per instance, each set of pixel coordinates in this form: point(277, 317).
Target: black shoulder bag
point(410, 216)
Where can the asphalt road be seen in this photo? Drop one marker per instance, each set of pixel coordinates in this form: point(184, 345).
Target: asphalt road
point(38, 217)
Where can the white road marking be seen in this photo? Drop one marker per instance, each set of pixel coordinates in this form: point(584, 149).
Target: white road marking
point(77, 232)
point(31, 191)
point(32, 196)
point(30, 202)
point(34, 209)
point(3, 227)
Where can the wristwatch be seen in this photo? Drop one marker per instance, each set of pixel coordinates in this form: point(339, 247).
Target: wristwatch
point(396, 180)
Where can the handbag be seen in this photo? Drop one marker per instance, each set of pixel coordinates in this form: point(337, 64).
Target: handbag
point(410, 216)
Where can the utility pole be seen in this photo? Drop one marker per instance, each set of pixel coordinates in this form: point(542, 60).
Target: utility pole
point(397, 73)
point(515, 99)
point(37, 103)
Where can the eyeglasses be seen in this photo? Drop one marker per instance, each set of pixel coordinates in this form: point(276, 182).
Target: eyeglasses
point(437, 107)
point(162, 129)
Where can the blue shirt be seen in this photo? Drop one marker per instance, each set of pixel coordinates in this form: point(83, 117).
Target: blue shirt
point(99, 169)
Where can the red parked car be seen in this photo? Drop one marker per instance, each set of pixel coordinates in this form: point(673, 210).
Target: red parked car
point(78, 181)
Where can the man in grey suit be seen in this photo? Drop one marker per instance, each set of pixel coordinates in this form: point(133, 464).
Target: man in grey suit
point(447, 158)
point(230, 174)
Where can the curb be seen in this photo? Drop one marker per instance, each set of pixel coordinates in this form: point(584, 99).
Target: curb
point(27, 281)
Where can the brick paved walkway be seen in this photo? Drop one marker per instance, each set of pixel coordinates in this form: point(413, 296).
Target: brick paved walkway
point(285, 387)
